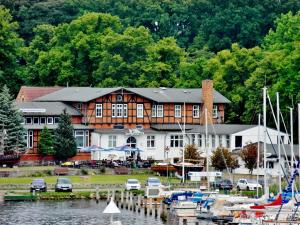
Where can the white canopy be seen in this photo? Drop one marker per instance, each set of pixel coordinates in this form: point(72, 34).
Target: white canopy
point(111, 208)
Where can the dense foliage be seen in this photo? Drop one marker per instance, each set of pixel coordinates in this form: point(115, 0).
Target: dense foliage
point(45, 146)
point(11, 130)
point(148, 43)
point(222, 159)
point(64, 141)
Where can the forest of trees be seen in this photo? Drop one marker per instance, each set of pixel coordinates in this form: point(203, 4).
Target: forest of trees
point(241, 44)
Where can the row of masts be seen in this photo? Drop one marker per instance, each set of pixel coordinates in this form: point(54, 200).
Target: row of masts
point(277, 120)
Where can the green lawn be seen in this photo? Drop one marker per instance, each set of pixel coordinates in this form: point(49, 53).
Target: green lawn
point(99, 179)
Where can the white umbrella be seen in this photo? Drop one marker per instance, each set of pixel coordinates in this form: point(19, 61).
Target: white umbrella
point(111, 208)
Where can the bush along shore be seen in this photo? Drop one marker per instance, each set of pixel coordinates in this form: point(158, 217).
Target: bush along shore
point(102, 195)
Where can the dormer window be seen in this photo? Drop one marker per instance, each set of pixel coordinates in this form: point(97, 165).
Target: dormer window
point(215, 111)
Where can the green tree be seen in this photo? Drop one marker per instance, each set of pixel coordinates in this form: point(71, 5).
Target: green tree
point(12, 131)
point(45, 146)
point(10, 45)
point(64, 141)
point(222, 158)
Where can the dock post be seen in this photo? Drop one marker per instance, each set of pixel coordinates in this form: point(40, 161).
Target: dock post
point(145, 206)
point(150, 205)
point(122, 199)
point(126, 200)
point(130, 201)
point(108, 196)
point(97, 194)
point(139, 203)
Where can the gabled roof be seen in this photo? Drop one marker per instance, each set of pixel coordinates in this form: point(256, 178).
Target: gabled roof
point(221, 128)
point(27, 93)
point(160, 95)
point(46, 108)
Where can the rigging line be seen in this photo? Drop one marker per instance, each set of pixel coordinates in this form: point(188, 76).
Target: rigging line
point(221, 149)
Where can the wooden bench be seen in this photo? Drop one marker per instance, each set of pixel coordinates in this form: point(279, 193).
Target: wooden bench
point(121, 170)
point(61, 171)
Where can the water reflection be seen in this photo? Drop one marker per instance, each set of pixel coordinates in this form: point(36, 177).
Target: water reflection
point(80, 212)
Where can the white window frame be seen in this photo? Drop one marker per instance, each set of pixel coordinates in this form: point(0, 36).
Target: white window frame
point(87, 138)
point(30, 120)
point(228, 141)
point(38, 120)
point(196, 111)
point(80, 135)
point(177, 111)
point(43, 118)
point(151, 141)
point(51, 120)
point(213, 141)
point(140, 111)
point(159, 110)
point(113, 110)
point(176, 141)
point(153, 114)
point(98, 110)
point(30, 139)
point(125, 110)
point(200, 141)
point(215, 111)
point(112, 141)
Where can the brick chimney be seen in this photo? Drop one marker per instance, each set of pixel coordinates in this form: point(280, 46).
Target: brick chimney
point(207, 99)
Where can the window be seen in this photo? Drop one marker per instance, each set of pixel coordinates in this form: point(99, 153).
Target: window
point(139, 110)
point(151, 141)
point(119, 110)
point(125, 110)
point(30, 139)
point(112, 141)
point(196, 111)
point(49, 120)
point(35, 120)
point(215, 111)
point(131, 142)
point(78, 106)
point(56, 120)
point(177, 110)
point(43, 120)
point(113, 110)
point(227, 141)
point(98, 110)
point(176, 141)
point(160, 111)
point(200, 140)
point(154, 111)
point(28, 120)
point(213, 141)
point(82, 138)
point(238, 141)
point(193, 139)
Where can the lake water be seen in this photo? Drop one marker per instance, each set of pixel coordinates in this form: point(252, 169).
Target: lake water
point(79, 212)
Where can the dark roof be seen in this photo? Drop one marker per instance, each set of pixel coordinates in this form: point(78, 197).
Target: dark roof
point(163, 95)
point(46, 108)
point(54, 126)
point(27, 93)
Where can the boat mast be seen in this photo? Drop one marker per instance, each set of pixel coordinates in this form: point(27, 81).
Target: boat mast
point(206, 149)
point(183, 151)
point(278, 142)
point(292, 147)
point(266, 191)
point(258, 153)
point(299, 134)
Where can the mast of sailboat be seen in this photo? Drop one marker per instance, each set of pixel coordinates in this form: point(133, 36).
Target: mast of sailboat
point(299, 134)
point(278, 142)
point(206, 150)
point(292, 146)
point(183, 157)
point(266, 190)
point(258, 153)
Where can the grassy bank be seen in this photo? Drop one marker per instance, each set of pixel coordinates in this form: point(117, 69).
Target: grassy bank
point(92, 179)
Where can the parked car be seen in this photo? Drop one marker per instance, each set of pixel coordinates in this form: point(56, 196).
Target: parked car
point(63, 184)
point(132, 184)
point(38, 185)
point(223, 185)
point(153, 182)
point(250, 185)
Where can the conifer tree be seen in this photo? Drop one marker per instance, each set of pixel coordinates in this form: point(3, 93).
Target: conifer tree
point(11, 129)
point(45, 146)
point(64, 140)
